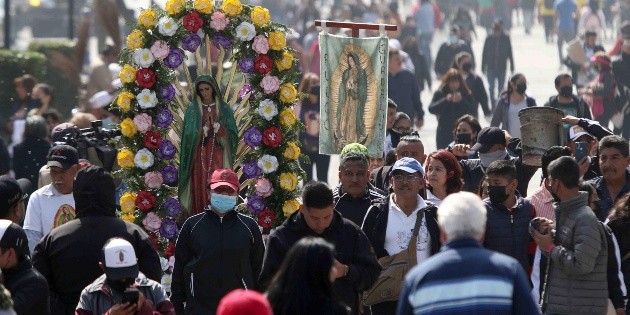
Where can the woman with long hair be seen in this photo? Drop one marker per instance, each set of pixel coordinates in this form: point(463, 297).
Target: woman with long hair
point(304, 283)
point(619, 222)
point(465, 132)
point(451, 101)
point(443, 175)
point(309, 115)
point(510, 103)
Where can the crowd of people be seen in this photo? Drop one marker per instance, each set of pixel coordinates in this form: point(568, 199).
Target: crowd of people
point(453, 231)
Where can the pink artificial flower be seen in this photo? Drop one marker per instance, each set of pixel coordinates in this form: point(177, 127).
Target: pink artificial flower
point(143, 122)
point(270, 84)
point(219, 21)
point(153, 180)
point(260, 44)
point(152, 222)
point(159, 49)
point(264, 187)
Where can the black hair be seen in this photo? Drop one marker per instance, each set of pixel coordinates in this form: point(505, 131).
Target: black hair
point(302, 284)
point(566, 170)
point(615, 142)
point(400, 116)
point(472, 121)
point(354, 157)
point(560, 77)
point(513, 80)
point(550, 155)
point(109, 50)
point(391, 103)
point(412, 138)
point(316, 194)
point(390, 157)
point(53, 114)
point(36, 128)
point(502, 168)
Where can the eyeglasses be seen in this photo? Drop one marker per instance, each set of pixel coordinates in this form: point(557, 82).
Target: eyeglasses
point(406, 178)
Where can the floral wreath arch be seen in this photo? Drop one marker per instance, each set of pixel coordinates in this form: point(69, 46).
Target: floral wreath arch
point(152, 103)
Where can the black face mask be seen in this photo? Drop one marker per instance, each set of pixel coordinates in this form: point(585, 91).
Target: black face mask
point(315, 90)
point(566, 91)
point(521, 88)
point(497, 194)
point(120, 285)
point(37, 102)
point(462, 138)
point(467, 67)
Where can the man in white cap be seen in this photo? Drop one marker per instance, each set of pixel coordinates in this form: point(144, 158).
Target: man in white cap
point(99, 103)
point(123, 289)
point(29, 289)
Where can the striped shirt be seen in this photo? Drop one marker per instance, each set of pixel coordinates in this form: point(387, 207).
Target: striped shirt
point(543, 202)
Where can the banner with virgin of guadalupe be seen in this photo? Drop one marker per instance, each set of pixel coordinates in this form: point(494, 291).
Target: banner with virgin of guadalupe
point(353, 93)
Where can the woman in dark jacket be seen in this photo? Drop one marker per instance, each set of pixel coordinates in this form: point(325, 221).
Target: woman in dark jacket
point(450, 102)
point(411, 47)
point(304, 282)
point(619, 222)
point(30, 155)
point(510, 103)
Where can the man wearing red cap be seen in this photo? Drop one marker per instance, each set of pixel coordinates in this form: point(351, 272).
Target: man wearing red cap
point(217, 251)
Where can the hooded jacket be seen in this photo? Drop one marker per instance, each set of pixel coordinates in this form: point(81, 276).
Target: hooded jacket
point(352, 248)
point(68, 256)
point(29, 290)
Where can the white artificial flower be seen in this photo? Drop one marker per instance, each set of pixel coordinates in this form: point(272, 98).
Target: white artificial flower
point(268, 109)
point(167, 278)
point(167, 26)
point(147, 99)
point(144, 159)
point(245, 31)
point(268, 163)
point(164, 263)
point(143, 57)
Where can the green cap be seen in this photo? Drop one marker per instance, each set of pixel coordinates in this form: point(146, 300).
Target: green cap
point(355, 148)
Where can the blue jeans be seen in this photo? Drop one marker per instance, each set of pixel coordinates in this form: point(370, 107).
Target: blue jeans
point(424, 41)
point(492, 77)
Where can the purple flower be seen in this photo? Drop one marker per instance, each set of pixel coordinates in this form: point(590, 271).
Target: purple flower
point(246, 89)
point(251, 169)
point(253, 137)
point(255, 204)
point(164, 118)
point(246, 64)
point(171, 205)
point(221, 41)
point(169, 174)
point(191, 42)
point(166, 151)
point(175, 58)
point(168, 228)
point(167, 93)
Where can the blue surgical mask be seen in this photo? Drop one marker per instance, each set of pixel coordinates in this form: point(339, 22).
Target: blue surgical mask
point(222, 203)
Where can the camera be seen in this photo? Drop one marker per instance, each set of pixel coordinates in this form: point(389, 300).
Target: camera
point(91, 143)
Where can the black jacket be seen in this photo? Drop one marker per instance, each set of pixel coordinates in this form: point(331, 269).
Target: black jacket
point(375, 227)
point(476, 86)
point(29, 289)
point(214, 256)
point(447, 113)
point(352, 248)
point(595, 129)
point(28, 157)
point(354, 209)
point(446, 54)
point(577, 108)
point(380, 178)
point(621, 69)
point(497, 50)
point(68, 256)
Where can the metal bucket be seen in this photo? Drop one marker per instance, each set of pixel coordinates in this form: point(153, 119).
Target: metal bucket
point(541, 128)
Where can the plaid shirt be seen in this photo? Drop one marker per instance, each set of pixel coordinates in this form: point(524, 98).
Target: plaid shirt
point(543, 202)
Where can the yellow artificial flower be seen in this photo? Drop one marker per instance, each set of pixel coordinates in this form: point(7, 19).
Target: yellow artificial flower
point(127, 74)
point(124, 101)
point(135, 40)
point(260, 16)
point(125, 158)
point(288, 181)
point(277, 40)
point(232, 7)
point(288, 93)
point(290, 206)
point(128, 128)
point(287, 117)
point(128, 202)
point(174, 7)
point(292, 152)
point(203, 6)
point(129, 217)
point(286, 62)
point(147, 18)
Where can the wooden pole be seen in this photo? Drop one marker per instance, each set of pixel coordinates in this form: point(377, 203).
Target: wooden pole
point(355, 27)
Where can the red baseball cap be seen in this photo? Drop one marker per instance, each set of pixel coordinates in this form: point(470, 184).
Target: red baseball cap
point(241, 302)
point(224, 177)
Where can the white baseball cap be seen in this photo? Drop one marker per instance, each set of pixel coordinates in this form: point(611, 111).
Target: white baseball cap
point(120, 260)
point(101, 99)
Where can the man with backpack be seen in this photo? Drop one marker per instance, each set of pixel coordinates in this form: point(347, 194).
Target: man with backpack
point(566, 101)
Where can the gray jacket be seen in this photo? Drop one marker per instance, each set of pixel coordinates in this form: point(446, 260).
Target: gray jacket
point(501, 116)
point(576, 279)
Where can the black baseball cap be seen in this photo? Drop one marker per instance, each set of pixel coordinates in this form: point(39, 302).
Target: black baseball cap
point(13, 236)
point(12, 191)
point(488, 137)
point(63, 156)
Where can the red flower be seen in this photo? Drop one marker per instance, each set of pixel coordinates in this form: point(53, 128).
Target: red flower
point(192, 21)
point(145, 201)
point(170, 250)
point(152, 140)
point(272, 137)
point(145, 78)
point(266, 218)
point(154, 241)
point(263, 64)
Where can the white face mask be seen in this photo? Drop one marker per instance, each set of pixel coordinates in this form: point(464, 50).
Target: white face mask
point(487, 158)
